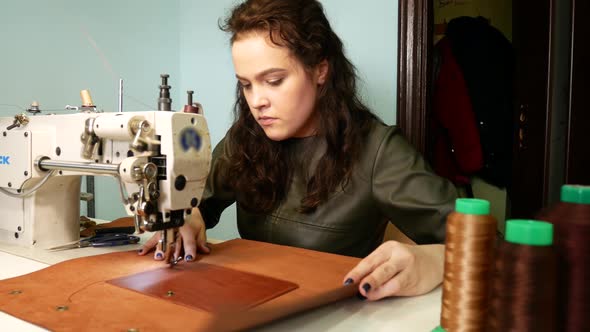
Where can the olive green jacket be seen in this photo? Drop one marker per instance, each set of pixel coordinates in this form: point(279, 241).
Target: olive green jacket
point(390, 182)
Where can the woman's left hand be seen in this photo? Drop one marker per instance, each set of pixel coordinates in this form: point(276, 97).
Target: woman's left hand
point(399, 269)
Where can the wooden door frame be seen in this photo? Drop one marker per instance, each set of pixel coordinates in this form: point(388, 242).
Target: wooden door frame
point(414, 52)
point(414, 75)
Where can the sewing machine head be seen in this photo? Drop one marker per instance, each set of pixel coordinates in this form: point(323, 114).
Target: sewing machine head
point(160, 158)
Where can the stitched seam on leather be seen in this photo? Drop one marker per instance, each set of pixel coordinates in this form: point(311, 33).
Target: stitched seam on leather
point(333, 229)
point(379, 150)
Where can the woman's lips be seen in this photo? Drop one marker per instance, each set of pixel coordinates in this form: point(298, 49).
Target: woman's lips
point(266, 121)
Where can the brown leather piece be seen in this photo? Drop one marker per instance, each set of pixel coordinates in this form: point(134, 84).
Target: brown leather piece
point(189, 284)
point(94, 304)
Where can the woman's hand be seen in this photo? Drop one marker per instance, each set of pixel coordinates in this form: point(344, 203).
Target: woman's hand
point(190, 237)
point(398, 269)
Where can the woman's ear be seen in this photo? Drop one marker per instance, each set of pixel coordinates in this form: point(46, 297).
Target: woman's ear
point(322, 71)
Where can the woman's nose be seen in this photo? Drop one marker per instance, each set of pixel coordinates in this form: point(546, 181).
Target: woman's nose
point(258, 99)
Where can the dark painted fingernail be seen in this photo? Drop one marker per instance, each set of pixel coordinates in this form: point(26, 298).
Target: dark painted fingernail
point(367, 287)
point(159, 255)
point(348, 281)
point(360, 296)
point(188, 258)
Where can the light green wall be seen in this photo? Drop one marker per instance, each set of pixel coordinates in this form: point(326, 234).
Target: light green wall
point(369, 32)
point(52, 50)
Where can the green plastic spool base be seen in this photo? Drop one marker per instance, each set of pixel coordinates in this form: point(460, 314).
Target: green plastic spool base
point(472, 206)
point(529, 232)
point(575, 194)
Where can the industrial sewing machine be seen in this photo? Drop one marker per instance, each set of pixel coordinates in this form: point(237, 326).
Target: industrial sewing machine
point(161, 160)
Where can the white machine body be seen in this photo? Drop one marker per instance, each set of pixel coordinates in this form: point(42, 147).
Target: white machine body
point(160, 158)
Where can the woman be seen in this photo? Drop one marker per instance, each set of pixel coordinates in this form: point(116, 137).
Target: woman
point(310, 166)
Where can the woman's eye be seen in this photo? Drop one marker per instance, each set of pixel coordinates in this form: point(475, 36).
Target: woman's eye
point(244, 85)
point(275, 82)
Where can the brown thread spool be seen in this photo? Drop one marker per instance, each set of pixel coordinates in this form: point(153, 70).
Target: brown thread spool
point(524, 282)
point(571, 220)
point(469, 252)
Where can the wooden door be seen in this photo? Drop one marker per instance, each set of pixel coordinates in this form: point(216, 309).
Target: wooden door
point(528, 192)
point(578, 152)
point(532, 22)
point(414, 69)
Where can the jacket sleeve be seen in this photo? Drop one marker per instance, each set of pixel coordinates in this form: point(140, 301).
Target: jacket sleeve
point(406, 190)
point(452, 108)
point(217, 194)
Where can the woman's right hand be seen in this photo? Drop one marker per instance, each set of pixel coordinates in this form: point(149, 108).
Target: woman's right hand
point(191, 238)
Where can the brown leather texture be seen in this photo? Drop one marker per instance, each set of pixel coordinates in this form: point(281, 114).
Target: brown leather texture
point(76, 294)
point(224, 288)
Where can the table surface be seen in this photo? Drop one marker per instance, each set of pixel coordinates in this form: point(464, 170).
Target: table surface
point(412, 314)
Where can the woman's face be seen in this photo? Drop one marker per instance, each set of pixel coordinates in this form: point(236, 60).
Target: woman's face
point(281, 94)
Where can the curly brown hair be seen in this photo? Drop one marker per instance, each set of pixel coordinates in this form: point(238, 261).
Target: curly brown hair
point(259, 167)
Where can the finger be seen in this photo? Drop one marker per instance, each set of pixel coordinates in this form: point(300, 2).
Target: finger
point(149, 244)
point(203, 247)
point(169, 253)
point(400, 285)
point(202, 241)
point(159, 254)
point(198, 222)
point(189, 243)
point(178, 246)
point(169, 247)
point(401, 262)
point(368, 264)
point(380, 276)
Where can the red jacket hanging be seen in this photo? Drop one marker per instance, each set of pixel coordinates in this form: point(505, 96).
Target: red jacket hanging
point(457, 149)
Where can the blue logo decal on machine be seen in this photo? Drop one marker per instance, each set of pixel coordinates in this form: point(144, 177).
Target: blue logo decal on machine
point(190, 138)
point(4, 160)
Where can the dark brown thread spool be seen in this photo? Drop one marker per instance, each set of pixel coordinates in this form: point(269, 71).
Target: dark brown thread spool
point(469, 253)
point(524, 282)
point(571, 220)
